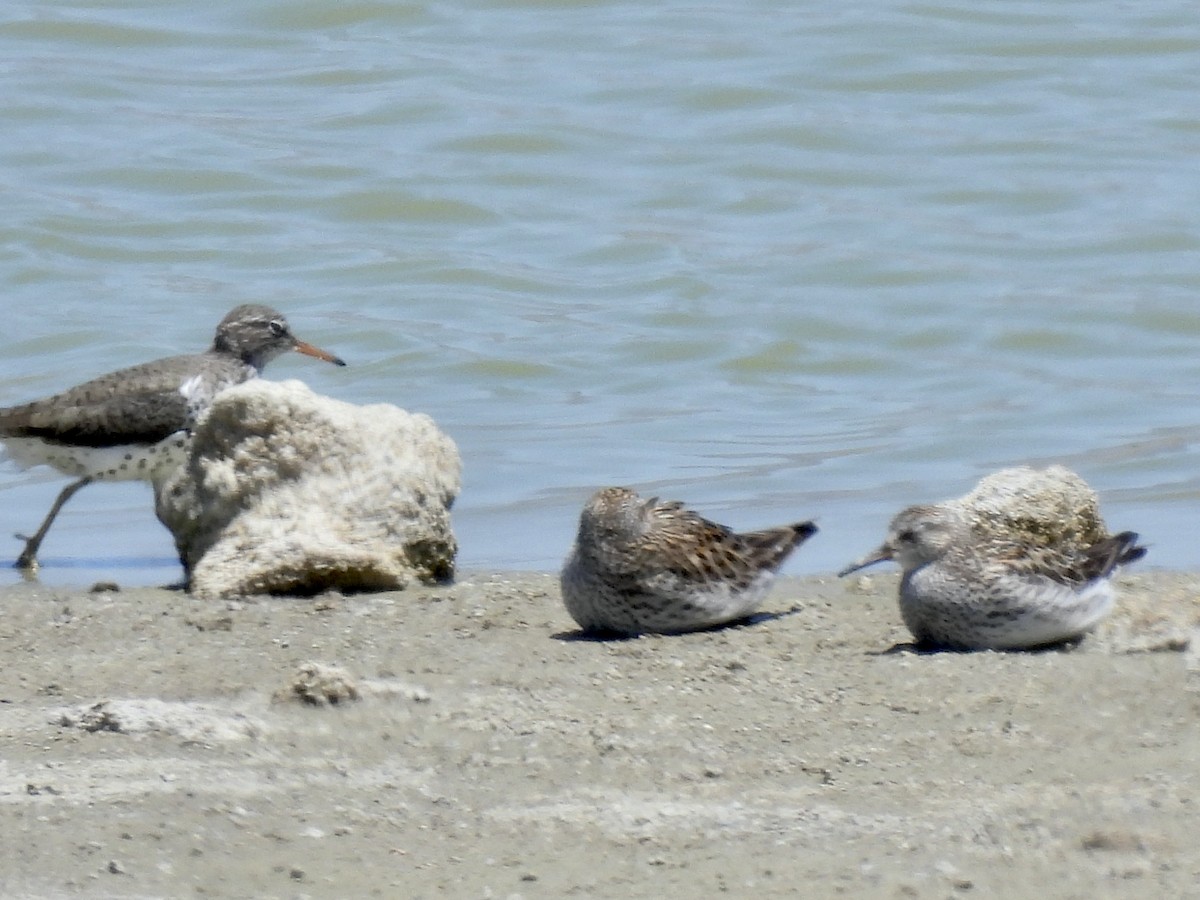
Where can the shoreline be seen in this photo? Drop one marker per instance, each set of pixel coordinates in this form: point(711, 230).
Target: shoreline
point(156, 745)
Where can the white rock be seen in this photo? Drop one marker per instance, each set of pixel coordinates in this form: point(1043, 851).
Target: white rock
point(1051, 506)
point(286, 491)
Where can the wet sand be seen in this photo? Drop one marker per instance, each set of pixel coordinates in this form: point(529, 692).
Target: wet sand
point(472, 745)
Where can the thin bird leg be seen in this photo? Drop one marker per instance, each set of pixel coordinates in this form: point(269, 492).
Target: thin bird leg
point(28, 557)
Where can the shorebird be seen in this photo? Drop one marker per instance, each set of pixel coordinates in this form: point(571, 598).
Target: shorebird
point(647, 566)
point(1023, 561)
point(134, 424)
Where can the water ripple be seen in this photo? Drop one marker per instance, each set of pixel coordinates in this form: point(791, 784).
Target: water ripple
point(628, 243)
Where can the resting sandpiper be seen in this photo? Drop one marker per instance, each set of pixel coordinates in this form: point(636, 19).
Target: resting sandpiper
point(646, 566)
point(1022, 561)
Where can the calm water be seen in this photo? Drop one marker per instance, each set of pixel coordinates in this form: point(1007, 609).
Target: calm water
point(777, 260)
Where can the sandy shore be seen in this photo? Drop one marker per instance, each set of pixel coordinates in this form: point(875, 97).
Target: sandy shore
point(155, 746)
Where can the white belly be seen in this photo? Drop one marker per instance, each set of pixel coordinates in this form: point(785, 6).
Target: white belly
point(130, 463)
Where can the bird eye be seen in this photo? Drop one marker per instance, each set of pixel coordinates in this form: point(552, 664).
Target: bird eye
point(907, 536)
point(277, 328)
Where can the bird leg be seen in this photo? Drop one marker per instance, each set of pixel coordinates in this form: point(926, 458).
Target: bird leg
point(28, 557)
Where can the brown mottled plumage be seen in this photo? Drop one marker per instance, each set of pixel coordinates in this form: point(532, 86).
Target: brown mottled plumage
point(645, 566)
point(134, 423)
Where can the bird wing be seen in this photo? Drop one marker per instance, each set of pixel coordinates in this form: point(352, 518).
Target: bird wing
point(139, 405)
point(1073, 565)
point(699, 551)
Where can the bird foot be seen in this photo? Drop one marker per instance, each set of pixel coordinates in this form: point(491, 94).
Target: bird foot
point(28, 558)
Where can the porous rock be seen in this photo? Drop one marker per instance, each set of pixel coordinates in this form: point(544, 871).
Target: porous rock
point(317, 684)
point(288, 492)
point(1035, 507)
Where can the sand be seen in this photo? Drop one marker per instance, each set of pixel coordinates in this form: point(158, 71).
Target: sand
point(464, 742)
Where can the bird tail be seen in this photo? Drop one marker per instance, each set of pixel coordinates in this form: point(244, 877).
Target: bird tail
point(774, 545)
point(1117, 550)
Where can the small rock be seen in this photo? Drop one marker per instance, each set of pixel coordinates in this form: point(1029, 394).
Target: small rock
point(319, 685)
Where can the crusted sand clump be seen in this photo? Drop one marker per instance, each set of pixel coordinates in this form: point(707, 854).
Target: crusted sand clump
point(288, 492)
point(1163, 620)
point(317, 684)
point(194, 722)
point(1023, 507)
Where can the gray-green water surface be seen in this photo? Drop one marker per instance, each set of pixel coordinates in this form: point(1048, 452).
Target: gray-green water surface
point(778, 260)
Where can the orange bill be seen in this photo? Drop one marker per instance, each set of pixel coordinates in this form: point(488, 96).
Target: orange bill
point(309, 350)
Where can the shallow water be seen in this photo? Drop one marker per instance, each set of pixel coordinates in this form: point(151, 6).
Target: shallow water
point(777, 262)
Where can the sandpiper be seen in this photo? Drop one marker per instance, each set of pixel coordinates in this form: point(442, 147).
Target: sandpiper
point(647, 566)
point(1022, 561)
point(134, 424)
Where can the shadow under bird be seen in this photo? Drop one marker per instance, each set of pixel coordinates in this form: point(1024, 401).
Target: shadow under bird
point(649, 566)
point(968, 587)
point(134, 424)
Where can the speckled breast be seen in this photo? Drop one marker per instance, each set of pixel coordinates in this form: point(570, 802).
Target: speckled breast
point(131, 462)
